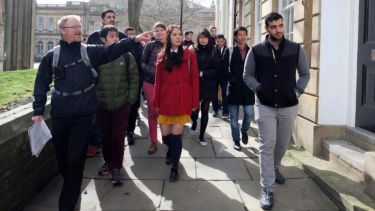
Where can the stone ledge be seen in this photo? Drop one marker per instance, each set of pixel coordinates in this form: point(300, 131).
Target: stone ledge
point(370, 174)
point(360, 137)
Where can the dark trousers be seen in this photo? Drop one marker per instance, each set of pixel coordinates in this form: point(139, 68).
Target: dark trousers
point(205, 106)
point(70, 139)
point(215, 103)
point(134, 113)
point(113, 126)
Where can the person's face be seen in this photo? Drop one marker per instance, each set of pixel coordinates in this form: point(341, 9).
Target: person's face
point(111, 38)
point(131, 33)
point(109, 19)
point(176, 37)
point(189, 36)
point(220, 42)
point(276, 29)
point(241, 37)
point(213, 32)
point(160, 34)
point(203, 40)
point(72, 31)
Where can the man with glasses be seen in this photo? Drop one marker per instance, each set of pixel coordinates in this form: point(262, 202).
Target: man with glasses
point(73, 101)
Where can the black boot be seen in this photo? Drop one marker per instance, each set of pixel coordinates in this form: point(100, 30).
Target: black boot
point(166, 140)
point(176, 149)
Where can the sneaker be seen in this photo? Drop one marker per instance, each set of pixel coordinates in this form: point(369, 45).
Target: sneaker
point(237, 145)
point(225, 115)
point(92, 151)
point(105, 169)
point(266, 200)
point(245, 138)
point(193, 132)
point(173, 176)
point(116, 177)
point(130, 139)
point(203, 142)
point(279, 178)
point(216, 114)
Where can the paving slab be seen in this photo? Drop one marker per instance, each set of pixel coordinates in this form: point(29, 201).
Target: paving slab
point(140, 147)
point(133, 195)
point(297, 195)
point(143, 168)
point(221, 169)
point(224, 149)
point(201, 195)
point(288, 168)
point(192, 149)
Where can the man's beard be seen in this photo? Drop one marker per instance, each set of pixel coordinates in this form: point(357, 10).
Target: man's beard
point(273, 38)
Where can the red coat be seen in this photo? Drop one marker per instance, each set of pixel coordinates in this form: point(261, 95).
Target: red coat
point(177, 92)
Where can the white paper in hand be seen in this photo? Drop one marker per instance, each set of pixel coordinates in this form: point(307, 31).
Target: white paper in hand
point(39, 135)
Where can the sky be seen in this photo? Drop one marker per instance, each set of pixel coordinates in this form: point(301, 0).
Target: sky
point(206, 3)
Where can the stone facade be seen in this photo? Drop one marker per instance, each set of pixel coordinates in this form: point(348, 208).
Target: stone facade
point(18, 37)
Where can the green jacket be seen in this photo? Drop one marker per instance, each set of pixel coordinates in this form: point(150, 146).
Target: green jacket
point(118, 83)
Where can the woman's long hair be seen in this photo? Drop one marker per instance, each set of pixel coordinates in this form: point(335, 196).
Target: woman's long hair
point(166, 55)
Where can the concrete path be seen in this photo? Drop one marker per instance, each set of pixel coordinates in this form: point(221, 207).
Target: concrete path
point(215, 177)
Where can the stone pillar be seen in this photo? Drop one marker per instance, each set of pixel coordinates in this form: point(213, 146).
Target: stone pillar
point(19, 34)
point(1, 34)
point(370, 174)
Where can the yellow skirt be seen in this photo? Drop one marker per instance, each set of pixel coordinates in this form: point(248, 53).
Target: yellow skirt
point(173, 119)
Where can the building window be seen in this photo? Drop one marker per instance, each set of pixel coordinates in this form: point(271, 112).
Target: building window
point(258, 21)
point(286, 8)
point(49, 45)
point(39, 50)
point(51, 24)
point(40, 24)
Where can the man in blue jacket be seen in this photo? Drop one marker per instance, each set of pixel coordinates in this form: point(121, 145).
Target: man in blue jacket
point(270, 71)
point(73, 100)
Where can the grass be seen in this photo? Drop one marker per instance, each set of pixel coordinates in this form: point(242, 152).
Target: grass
point(16, 87)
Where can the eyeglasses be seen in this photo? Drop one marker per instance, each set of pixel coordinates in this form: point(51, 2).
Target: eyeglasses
point(72, 27)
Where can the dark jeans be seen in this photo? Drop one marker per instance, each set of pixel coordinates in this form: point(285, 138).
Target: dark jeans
point(96, 135)
point(70, 137)
point(113, 125)
point(205, 106)
point(134, 113)
point(215, 103)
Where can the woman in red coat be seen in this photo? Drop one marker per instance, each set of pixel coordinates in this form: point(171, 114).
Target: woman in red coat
point(176, 93)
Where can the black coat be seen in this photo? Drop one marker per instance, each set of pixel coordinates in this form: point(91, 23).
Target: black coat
point(238, 92)
point(208, 64)
point(223, 64)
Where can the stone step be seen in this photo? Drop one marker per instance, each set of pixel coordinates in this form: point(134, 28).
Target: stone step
point(360, 137)
point(347, 155)
point(342, 188)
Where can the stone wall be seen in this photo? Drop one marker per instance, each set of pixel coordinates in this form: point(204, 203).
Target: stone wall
point(21, 174)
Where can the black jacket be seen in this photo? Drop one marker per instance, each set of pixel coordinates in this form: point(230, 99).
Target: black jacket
point(94, 38)
point(76, 77)
point(223, 64)
point(148, 61)
point(238, 92)
point(208, 64)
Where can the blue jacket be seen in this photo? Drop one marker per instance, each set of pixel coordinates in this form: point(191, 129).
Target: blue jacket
point(77, 77)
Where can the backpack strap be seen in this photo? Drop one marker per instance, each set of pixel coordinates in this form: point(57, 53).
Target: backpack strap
point(55, 60)
point(86, 60)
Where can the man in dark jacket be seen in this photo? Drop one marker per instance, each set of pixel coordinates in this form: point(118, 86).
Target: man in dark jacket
point(238, 92)
point(137, 53)
point(188, 41)
point(270, 71)
point(223, 54)
point(73, 100)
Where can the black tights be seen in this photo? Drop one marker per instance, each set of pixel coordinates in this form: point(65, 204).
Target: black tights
point(205, 106)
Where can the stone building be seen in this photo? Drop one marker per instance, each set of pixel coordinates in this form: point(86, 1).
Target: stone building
point(336, 115)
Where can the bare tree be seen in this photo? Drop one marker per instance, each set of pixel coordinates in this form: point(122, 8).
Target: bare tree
point(134, 10)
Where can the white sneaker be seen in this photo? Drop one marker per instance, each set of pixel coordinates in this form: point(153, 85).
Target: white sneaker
point(203, 143)
point(193, 132)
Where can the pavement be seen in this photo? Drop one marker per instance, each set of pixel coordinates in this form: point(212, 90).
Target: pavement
point(215, 177)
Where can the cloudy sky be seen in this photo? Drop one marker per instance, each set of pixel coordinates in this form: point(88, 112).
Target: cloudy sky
point(206, 3)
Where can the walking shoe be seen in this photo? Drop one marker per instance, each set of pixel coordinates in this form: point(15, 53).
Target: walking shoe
point(225, 115)
point(116, 177)
point(266, 200)
point(245, 138)
point(203, 142)
point(216, 114)
point(237, 145)
point(92, 151)
point(152, 148)
point(279, 178)
point(105, 169)
point(130, 138)
point(173, 176)
point(193, 132)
